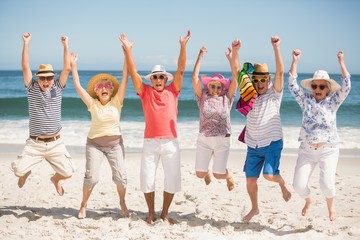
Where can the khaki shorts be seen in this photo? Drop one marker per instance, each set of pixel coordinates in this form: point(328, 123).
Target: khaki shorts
point(35, 152)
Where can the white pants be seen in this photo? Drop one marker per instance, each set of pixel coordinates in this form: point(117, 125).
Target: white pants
point(327, 156)
point(168, 151)
point(216, 147)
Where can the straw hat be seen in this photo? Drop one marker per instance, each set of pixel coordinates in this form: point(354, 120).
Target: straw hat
point(260, 70)
point(45, 70)
point(321, 75)
point(159, 69)
point(216, 77)
point(102, 77)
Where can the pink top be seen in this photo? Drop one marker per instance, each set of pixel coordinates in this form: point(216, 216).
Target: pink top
point(160, 111)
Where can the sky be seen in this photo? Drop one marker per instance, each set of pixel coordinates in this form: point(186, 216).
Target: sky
point(319, 28)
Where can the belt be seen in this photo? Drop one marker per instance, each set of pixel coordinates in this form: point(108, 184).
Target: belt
point(227, 135)
point(49, 139)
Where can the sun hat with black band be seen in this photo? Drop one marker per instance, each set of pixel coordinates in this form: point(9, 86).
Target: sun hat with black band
point(45, 70)
point(260, 70)
point(158, 70)
point(102, 77)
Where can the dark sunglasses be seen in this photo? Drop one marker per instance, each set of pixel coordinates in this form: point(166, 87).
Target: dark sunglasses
point(314, 87)
point(213, 87)
point(155, 77)
point(263, 80)
point(49, 78)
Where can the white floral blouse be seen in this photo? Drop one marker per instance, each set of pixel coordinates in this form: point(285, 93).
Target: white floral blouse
point(319, 118)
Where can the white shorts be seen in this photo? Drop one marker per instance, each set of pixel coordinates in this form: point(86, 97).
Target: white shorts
point(207, 147)
point(168, 151)
point(36, 151)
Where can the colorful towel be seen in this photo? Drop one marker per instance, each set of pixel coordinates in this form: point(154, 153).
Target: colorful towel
point(248, 94)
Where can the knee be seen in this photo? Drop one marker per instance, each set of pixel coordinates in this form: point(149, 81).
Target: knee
point(201, 174)
point(268, 177)
point(251, 182)
point(89, 181)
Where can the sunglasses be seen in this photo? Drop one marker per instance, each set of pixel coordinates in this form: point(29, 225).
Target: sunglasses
point(314, 87)
point(215, 87)
point(262, 80)
point(49, 78)
point(156, 77)
point(108, 85)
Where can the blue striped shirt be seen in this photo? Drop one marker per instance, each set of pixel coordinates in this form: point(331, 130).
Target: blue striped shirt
point(263, 123)
point(44, 109)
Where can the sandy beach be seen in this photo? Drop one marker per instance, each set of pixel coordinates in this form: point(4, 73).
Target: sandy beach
point(201, 212)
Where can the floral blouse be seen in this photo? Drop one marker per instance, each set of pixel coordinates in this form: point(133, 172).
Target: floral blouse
point(319, 118)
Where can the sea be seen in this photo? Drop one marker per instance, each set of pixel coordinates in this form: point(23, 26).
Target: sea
point(76, 119)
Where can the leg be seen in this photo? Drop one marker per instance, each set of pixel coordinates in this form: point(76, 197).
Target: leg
point(22, 179)
point(331, 208)
point(278, 179)
point(124, 210)
point(168, 197)
point(116, 158)
point(306, 207)
point(203, 157)
point(86, 196)
point(56, 181)
point(252, 189)
point(150, 201)
point(221, 155)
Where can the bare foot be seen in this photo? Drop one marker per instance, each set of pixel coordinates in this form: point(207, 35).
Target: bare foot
point(22, 179)
point(82, 212)
point(170, 221)
point(285, 192)
point(230, 183)
point(150, 219)
point(306, 206)
point(207, 179)
point(124, 211)
point(249, 216)
point(58, 187)
point(332, 215)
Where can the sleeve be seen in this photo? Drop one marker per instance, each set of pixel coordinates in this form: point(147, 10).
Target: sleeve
point(296, 91)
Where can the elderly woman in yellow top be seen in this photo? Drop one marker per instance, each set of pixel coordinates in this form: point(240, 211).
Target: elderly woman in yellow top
point(104, 100)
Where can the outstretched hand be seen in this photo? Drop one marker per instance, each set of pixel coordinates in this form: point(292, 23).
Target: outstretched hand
point(73, 58)
point(296, 55)
point(126, 44)
point(275, 41)
point(64, 40)
point(26, 37)
point(340, 56)
point(184, 40)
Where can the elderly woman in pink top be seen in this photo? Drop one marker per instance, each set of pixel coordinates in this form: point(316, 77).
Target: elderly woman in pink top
point(214, 101)
point(159, 102)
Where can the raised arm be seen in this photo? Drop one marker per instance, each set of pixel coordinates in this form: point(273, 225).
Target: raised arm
point(343, 68)
point(195, 76)
point(233, 56)
point(25, 62)
point(66, 68)
point(279, 74)
point(178, 76)
point(123, 85)
point(84, 95)
point(296, 54)
point(131, 68)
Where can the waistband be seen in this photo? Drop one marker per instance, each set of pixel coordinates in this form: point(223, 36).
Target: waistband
point(49, 139)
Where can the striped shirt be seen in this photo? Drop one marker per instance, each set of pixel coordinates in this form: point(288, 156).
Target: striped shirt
point(263, 123)
point(44, 109)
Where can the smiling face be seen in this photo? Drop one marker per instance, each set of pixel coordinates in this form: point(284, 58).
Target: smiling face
point(319, 89)
point(104, 90)
point(215, 88)
point(158, 81)
point(46, 83)
point(261, 83)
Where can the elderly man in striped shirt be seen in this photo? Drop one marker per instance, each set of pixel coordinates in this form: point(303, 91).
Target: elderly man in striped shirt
point(263, 133)
point(44, 142)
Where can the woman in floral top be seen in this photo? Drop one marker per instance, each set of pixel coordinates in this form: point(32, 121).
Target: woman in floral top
point(318, 134)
